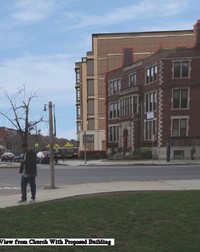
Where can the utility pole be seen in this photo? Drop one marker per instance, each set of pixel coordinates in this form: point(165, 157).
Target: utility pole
point(51, 143)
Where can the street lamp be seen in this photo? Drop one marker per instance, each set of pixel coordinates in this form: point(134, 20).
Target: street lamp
point(51, 142)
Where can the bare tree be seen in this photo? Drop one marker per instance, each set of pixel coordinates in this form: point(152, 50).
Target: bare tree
point(18, 115)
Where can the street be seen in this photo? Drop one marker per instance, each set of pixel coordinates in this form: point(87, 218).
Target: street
point(68, 175)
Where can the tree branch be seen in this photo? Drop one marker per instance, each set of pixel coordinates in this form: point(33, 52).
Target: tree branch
point(24, 131)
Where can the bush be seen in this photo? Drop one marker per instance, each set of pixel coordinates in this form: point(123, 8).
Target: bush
point(142, 155)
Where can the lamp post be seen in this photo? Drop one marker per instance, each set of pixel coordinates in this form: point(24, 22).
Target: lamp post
point(51, 143)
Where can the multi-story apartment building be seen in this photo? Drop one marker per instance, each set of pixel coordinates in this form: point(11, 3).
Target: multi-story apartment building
point(152, 103)
point(106, 55)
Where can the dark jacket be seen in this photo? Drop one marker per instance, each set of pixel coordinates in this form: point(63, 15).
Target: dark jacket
point(30, 164)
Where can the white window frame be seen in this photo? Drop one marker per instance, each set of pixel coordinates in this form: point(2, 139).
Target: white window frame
point(151, 72)
point(111, 133)
point(155, 100)
point(181, 68)
point(132, 79)
point(152, 136)
point(179, 118)
point(188, 98)
point(114, 86)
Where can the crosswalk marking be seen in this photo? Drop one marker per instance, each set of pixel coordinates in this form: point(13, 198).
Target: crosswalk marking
point(9, 188)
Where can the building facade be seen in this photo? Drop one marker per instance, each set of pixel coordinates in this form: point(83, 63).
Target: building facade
point(106, 55)
point(152, 103)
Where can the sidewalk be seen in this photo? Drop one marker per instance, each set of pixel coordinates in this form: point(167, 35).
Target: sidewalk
point(84, 189)
point(106, 162)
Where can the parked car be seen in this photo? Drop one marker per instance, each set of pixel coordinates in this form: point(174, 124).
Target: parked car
point(17, 159)
point(7, 156)
point(43, 157)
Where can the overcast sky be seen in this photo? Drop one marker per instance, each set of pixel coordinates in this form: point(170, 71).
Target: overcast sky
point(41, 39)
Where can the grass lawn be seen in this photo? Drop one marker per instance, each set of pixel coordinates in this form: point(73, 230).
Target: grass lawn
point(139, 221)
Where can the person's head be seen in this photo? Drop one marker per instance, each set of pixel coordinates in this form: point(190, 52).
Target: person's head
point(24, 147)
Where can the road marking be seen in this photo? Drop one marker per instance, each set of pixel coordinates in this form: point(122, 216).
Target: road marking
point(9, 188)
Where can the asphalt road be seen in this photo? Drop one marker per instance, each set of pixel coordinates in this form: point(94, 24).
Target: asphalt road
point(10, 177)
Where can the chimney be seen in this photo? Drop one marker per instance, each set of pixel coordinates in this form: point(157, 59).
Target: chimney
point(196, 28)
point(127, 57)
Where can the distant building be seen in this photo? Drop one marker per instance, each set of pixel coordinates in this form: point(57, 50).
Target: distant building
point(10, 139)
point(106, 55)
point(153, 103)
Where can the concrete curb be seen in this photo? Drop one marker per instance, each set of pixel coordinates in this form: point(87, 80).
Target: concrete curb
point(80, 163)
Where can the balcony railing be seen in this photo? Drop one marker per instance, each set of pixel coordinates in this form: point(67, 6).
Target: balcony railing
point(129, 90)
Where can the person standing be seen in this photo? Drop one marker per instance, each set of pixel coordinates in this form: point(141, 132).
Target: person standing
point(28, 169)
point(193, 151)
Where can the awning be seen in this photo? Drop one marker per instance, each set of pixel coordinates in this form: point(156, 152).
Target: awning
point(68, 145)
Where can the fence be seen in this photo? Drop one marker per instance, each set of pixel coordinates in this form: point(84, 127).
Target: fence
point(183, 148)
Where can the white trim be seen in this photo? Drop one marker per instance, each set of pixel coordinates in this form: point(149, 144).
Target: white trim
point(188, 98)
point(135, 36)
point(179, 117)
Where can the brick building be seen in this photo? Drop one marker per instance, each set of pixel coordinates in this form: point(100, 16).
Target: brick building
point(106, 55)
point(10, 139)
point(152, 103)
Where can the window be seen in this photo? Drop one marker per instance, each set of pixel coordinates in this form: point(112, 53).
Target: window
point(90, 67)
point(90, 87)
point(129, 105)
point(122, 107)
point(151, 74)
point(90, 107)
point(185, 69)
point(132, 79)
point(135, 104)
point(151, 102)
point(119, 84)
point(113, 110)
point(147, 75)
point(78, 94)
point(113, 133)
point(110, 111)
point(114, 86)
point(181, 69)
point(155, 72)
point(179, 154)
point(126, 106)
point(78, 124)
point(177, 69)
point(110, 88)
point(179, 127)
point(90, 124)
point(78, 112)
point(77, 71)
point(118, 109)
point(180, 98)
point(150, 130)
